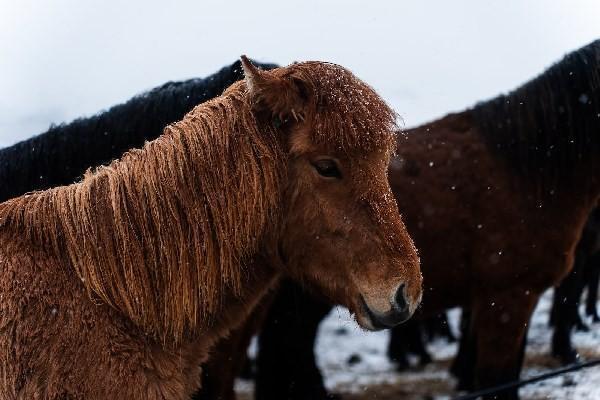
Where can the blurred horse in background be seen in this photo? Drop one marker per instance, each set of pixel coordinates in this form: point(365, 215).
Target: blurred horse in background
point(62, 154)
point(564, 314)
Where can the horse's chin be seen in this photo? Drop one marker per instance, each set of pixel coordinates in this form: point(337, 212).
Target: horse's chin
point(365, 318)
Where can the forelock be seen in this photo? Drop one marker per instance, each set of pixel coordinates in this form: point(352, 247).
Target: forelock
point(350, 117)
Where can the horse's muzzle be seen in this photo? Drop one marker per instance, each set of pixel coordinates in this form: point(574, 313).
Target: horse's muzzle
point(399, 312)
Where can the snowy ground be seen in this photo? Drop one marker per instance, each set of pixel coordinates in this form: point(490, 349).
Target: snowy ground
point(374, 377)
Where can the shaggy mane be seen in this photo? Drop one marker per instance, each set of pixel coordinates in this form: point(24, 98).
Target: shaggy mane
point(351, 116)
point(163, 233)
point(550, 125)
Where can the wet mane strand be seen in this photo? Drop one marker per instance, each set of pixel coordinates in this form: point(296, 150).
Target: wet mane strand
point(551, 124)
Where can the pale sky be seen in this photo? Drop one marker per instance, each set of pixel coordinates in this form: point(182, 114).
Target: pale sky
point(60, 59)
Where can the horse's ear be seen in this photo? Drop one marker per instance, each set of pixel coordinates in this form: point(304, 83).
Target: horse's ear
point(282, 98)
point(253, 75)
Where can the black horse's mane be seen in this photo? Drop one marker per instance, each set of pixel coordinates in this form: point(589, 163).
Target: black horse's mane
point(63, 153)
point(549, 126)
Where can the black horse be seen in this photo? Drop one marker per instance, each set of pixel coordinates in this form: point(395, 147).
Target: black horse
point(62, 154)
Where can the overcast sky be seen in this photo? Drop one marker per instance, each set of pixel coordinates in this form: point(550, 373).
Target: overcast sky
point(60, 59)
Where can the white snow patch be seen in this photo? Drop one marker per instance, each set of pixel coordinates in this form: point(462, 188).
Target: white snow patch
point(340, 338)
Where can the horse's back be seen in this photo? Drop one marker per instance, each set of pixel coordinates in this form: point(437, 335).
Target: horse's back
point(486, 225)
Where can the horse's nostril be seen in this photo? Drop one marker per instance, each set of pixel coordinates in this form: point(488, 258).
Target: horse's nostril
point(400, 298)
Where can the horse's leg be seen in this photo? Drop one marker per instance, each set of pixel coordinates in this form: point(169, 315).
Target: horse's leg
point(397, 351)
point(416, 343)
point(437, 326)
point(592, 279)
point(286, 365)
point(463, 366)
point(219, 372)
point(566, 300)
point(582, 283)
point(500, 322)
point(444, 327)
point(229, 355)
point(554, 309)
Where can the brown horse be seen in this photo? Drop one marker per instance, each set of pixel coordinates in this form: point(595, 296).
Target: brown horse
point(119, 285)
point(495, 198)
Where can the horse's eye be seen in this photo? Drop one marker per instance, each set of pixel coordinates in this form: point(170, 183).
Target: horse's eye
point(327, 168)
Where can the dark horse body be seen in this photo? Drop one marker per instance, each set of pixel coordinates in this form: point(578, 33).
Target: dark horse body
point(496, 198)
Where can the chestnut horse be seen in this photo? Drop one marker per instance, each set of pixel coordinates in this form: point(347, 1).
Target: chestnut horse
point(119, 285)
point(495, 198)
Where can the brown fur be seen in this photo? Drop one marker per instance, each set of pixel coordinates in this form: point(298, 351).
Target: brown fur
point(118, 286)
point(488, 241)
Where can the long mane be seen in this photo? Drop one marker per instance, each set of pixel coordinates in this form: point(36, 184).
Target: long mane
point(161, 233)
point(549, 126)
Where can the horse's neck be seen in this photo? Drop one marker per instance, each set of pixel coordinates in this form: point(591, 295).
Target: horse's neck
point(160, 235)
